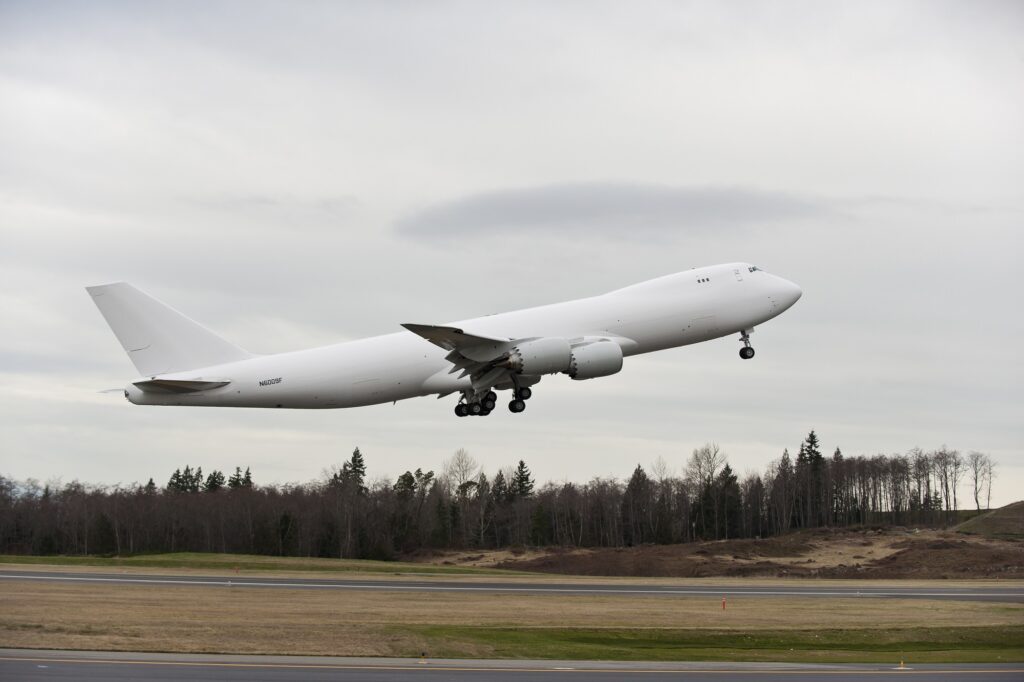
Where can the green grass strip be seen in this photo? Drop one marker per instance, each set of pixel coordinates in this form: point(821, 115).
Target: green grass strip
point(921, 645)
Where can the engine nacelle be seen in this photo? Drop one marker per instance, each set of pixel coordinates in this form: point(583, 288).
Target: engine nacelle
point(598, 359)
point(541, 356)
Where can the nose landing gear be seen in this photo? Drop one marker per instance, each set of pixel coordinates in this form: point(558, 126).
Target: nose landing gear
point(747, 351)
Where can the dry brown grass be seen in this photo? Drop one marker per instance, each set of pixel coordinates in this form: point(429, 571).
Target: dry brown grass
point(358, 623)
point(511, 578)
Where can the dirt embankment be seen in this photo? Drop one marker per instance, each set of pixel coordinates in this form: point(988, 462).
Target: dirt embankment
point(825, 553)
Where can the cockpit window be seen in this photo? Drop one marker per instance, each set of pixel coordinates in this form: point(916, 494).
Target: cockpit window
point(753, 268)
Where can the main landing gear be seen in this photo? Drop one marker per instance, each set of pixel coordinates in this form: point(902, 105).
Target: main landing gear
point(747, 351)
point(484, 406)
point(522, 394)
point(480, 408)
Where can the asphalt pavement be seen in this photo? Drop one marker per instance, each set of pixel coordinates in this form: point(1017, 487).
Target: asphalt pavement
point(28, 664)
point(826, 589)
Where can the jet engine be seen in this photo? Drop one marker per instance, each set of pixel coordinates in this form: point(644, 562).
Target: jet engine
point(598, 359)
point(540, 356)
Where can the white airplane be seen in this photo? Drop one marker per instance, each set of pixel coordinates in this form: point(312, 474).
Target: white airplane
point(183, 363)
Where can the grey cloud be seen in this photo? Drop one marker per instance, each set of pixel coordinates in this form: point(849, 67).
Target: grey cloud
point(607, 208)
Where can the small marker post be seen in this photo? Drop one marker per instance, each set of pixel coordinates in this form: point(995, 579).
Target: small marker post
point(723, 602)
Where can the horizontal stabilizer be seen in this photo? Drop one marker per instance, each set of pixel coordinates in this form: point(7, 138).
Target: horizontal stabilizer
point(180, 385)
point(157, 338)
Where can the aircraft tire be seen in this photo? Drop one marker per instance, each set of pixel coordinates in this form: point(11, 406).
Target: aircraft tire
point(525, 393)
point(516, 406)
point(746, 352)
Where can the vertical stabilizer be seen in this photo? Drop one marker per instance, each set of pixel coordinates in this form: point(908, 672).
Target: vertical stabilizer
point(157, 338)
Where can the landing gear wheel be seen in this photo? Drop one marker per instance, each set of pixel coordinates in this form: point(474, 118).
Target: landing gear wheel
point(461, 410)
point(524, 393)
point(491, 395)
point(485, 413)
point(516, 406)
point(475, 409)
point(746, 352)
point(488, 404)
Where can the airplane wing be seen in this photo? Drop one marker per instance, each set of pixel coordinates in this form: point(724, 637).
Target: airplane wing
point(474, 346)
point(475, 355)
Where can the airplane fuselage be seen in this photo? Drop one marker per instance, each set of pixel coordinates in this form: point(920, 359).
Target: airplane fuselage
point(675, 310)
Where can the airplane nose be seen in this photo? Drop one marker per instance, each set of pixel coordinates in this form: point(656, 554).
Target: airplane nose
point(791, 293)
point(787, 292)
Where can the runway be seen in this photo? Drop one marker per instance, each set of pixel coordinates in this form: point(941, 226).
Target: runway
point(29, 664)
point(992, 593)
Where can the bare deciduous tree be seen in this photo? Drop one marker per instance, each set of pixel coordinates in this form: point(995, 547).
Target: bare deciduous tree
point(977, 463)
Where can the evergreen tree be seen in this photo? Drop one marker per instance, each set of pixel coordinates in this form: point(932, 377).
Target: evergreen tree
point(150, 488)
point(522, 481)
point(214, 482)
point(730, 518)
point(499, 489)
point(247, 479)
point(405, 486)
point(352, 473)
point(193, 480)
point(540, 526)
point(185, 481)
point(174, 483)
point(235, 481)
point(635, 508)
point(357, 470)
point(816, 514)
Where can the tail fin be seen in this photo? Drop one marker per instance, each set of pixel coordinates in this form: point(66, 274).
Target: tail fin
point(157, 338)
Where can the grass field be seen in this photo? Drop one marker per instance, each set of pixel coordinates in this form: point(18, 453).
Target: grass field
point(1005, 523)
point(837, 645)
point(472, 625)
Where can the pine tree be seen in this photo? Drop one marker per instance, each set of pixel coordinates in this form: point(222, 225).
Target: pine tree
point(235, 481)
point(816, 514)
point(174, 483)
point(247, 479)
point(499, 489)
point(214, 482)
point(352, 474)
point(522, 481)
point(635, 508)
point(405, 486)
point(730, 518)
point(357, 471)
point(150, 488)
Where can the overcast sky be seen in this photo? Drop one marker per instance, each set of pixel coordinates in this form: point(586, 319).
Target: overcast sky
point(296, 174)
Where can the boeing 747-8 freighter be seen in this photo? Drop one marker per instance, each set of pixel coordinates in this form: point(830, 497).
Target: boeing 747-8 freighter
point(183, 363)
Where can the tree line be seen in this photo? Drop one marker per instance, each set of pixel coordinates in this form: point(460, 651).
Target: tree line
point(345, 514)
